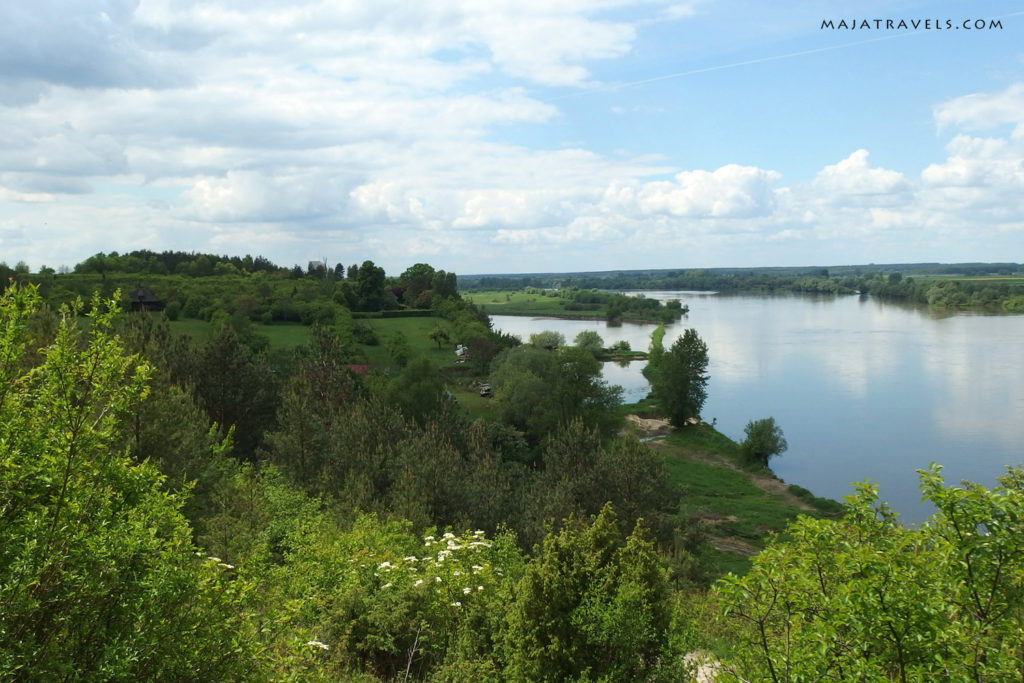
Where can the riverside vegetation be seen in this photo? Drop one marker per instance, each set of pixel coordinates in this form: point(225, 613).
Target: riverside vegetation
point(233, 509)
point(990, 286)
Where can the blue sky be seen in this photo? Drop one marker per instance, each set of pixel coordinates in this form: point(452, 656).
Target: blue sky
point(513, 135)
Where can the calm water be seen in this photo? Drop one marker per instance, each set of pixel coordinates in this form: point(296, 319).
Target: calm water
point(862, 389)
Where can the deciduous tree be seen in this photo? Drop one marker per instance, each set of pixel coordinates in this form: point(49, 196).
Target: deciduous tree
point(764, 440)
point(680, 383)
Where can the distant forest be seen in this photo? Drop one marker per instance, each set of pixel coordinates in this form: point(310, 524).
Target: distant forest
point(996, 286)
point(960, 285)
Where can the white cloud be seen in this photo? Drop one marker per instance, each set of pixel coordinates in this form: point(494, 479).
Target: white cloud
point(979, 162)
point(731, 191)
point(384, 129)
point(980, 111)
point(854, 180)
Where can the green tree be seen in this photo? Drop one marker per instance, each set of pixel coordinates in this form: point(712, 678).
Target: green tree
point(547, 340)
point(590, 608)
point(581, 474)
point(589, 341)
point(865, 598)
point(418, 391)
point(237, 386)
point(764, 440)
point(313, 402)
point(537, 390)
point(417, 279)
point(440, 336)
point(680, 382)
point(99, 579)
point(579, 391)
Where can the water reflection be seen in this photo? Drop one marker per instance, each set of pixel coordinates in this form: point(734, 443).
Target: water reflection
point(863, 389)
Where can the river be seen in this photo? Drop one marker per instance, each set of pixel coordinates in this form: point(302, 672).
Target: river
point(864, 390)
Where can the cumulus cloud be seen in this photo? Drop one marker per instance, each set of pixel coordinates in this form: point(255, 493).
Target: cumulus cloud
point(382, 130)
point(979, 162)
point(854, 179)
point(979, 111)
point(731, 191)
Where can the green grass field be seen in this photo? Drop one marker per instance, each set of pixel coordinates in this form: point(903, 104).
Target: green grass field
point(417, 335)
point(283, 336)
point(287, 336)
point(522, 303)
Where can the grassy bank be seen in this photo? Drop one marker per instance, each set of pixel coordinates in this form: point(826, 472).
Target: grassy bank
point(741, 504)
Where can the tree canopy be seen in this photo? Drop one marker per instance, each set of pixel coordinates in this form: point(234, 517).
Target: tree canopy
point(679, 378)
point(865, 598)
point(764, 440)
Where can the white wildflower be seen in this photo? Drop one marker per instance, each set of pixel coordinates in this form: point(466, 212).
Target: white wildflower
point(467, 590)
point(479, 588)
point(418, 582)
point(225, 565)
point(213, 559)
point(438, 579)
point(386, 585)
point(457, 573)
point(456, 604)
point(477, 569)
point(317, 643)
point(410, 558)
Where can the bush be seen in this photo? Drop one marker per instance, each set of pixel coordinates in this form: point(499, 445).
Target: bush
point(764, 440)
point(173, 309)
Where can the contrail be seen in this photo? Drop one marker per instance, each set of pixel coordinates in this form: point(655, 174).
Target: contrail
point(748, 62)
point(720, 67)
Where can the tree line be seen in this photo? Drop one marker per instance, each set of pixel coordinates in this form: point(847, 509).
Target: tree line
point(997, 285)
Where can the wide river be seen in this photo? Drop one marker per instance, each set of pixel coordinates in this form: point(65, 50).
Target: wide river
point(862, 389)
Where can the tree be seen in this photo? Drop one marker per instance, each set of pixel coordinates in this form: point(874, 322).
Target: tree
point(236, 386)
point(537, 391)
point(444, 285)
point(417, 279)
point(439, 336)
point(370, 281)
point(99, 579)
point(547, 340)
point(865, 598)
point(680, 382)
point(418, 391)
point(591, 608)
point(589, 341)
point(764, 440)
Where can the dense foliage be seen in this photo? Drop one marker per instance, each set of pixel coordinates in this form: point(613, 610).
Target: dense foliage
point(224, 509)
point(864, 598)
point(98, 575)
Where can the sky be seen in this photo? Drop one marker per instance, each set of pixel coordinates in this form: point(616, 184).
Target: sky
point(514, 136)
